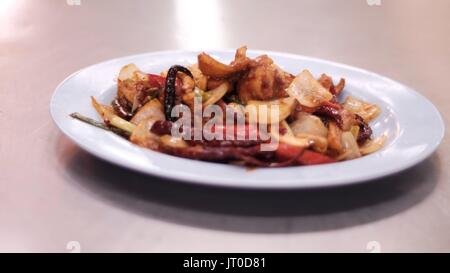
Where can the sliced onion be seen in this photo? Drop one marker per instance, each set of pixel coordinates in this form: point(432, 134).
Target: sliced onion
point(350, 146)
point(131, 72)
point(208, 98)
point(308, 124)
point(355, 131)
point(269, 112)
point(366, 110)
point(201, 81)
point(173, 142)
point(152, 109)
point(320, 144)
point(238, 108)
point(286, 126)
point(308, 91)
point(213, 96)
point(143, 136)
point(372, 146)
point(292, 140)
point(111, 118)
point(334, 136)
point(189, 97)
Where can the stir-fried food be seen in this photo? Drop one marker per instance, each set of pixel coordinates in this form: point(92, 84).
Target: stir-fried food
point(249, 112)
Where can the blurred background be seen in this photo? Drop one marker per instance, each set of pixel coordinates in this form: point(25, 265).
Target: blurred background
point(53, 193)
point(379, 35)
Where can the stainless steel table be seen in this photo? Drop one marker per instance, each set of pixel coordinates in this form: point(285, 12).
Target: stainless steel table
point(54, 196)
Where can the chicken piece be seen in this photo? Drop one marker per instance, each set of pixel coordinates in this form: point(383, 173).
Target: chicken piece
point(212, 68)
point(263, 81)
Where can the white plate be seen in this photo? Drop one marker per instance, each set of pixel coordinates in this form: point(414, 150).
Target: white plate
point(413, 125)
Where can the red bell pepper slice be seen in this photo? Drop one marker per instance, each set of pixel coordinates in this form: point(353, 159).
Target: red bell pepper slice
point(156, 80)
point(304, 157)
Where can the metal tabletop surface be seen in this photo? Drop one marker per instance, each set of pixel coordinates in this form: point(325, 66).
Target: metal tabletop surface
point(54, 197)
